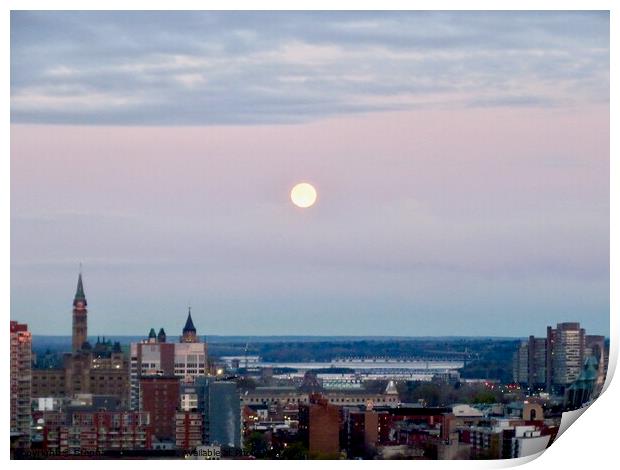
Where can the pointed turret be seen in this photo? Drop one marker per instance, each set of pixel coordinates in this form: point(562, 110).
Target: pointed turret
point(79, 293)
point(189, 330)
point(80, 313)
point(161, 336)
point(152, 336)
point(189, 324)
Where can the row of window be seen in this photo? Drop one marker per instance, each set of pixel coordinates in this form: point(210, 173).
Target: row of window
point(332, 400)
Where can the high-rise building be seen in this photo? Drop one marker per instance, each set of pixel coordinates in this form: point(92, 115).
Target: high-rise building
point(80, 314)
point(520, 364)
point(568, 353)
point(149, 358)
point(319, 425)
point(21, 363)
point(189, 429)
point(556, 361)
point(219, 404)
point(195, 398)
point(224, 414)
point(159, 396)
point(537, 362)
point(155, 356)
point(360, 433)
point(530, 363)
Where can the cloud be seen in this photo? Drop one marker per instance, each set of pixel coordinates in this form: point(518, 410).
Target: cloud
point(193, 68)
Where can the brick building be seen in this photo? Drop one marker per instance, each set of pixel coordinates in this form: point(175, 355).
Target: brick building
point(105, 431)
point(360, 432)
point(189, 429)
point(159, 396)
point(319, 425)
point(21, 389)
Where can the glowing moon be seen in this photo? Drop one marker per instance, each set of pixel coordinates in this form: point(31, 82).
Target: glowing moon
point(303, 195)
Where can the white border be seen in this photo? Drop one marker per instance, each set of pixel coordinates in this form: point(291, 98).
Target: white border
point(589, 443)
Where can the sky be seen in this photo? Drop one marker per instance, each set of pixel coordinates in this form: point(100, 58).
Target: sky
point(461, 161)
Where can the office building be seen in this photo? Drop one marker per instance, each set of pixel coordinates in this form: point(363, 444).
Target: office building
point(555, 362)
point(568, 353)
point(224, 414)
point(219, 404)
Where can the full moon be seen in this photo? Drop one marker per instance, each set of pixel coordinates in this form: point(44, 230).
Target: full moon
point(303, 195)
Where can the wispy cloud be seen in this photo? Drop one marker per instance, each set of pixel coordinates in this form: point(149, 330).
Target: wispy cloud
point(179, 68)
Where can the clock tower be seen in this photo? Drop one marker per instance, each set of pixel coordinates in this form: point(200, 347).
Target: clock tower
point(79, 316)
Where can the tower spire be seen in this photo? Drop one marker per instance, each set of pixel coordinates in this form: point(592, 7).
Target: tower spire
point(189, 330)
point(189, 324)
point(79, 292)
point(80, 312)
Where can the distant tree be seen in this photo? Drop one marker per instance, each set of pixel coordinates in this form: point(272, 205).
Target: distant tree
point(257, 445)
point(246, 383)
point(484, 397)
point(295, 451)
point(427, 391)
point(376, 386)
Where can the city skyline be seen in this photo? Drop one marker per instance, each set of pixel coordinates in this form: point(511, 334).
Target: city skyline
point(463, 176)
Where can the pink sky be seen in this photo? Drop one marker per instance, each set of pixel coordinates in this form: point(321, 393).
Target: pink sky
point(467, 216)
